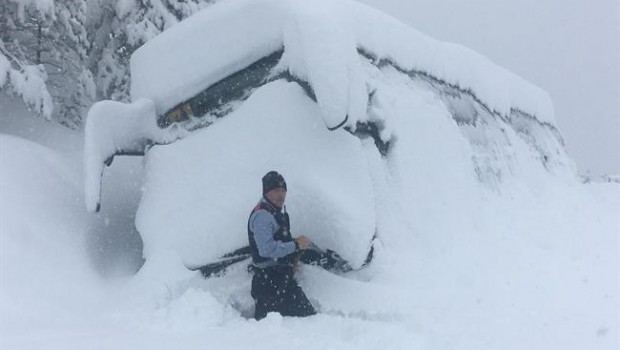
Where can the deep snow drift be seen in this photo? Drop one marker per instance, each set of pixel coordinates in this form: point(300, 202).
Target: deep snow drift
point(524, 268)
point(485, 238)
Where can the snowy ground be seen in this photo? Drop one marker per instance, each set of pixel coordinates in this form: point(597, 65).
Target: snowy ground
point(521, 269)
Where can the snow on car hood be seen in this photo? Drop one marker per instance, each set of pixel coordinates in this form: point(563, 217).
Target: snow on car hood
point(321, 40)
point(199, 191)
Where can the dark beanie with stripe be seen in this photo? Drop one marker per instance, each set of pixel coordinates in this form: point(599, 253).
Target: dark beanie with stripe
point(273, 180)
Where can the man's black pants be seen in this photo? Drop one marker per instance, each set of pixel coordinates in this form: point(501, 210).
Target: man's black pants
point(275, 290)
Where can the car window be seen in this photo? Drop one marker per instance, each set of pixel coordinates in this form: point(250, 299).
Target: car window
point(216, 99)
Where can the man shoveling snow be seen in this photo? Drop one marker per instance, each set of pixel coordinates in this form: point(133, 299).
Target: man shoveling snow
point(275, 253)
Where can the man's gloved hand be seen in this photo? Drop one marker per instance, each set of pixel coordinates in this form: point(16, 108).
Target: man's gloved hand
point(303, 242)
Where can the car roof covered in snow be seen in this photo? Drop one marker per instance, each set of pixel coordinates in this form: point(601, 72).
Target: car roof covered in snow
point(321, 41)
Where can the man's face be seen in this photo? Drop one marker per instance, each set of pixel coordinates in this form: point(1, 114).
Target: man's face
point(277, 196)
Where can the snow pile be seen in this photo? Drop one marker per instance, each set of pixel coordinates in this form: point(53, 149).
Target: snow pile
point(42, 230)
point(335, 53)
point(457, 264)
point(199, 191)
point(197, 53)
point(112, 127)
point(526, 268)
point(320, 40)
point(320, 48)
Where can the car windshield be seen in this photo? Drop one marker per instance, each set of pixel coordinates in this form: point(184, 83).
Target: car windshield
point(216, 99)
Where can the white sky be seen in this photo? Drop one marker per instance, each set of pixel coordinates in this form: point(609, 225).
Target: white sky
point(571, 48)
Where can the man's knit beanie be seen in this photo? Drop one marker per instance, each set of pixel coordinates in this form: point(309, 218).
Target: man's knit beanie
point(273, 180)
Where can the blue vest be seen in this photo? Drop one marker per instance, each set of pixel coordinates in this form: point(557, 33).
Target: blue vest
point(283, 234)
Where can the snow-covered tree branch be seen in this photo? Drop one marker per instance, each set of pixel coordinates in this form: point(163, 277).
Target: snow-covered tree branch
point(61, 56)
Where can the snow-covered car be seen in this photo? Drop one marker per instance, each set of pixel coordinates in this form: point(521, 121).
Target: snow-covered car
point(350, 105)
